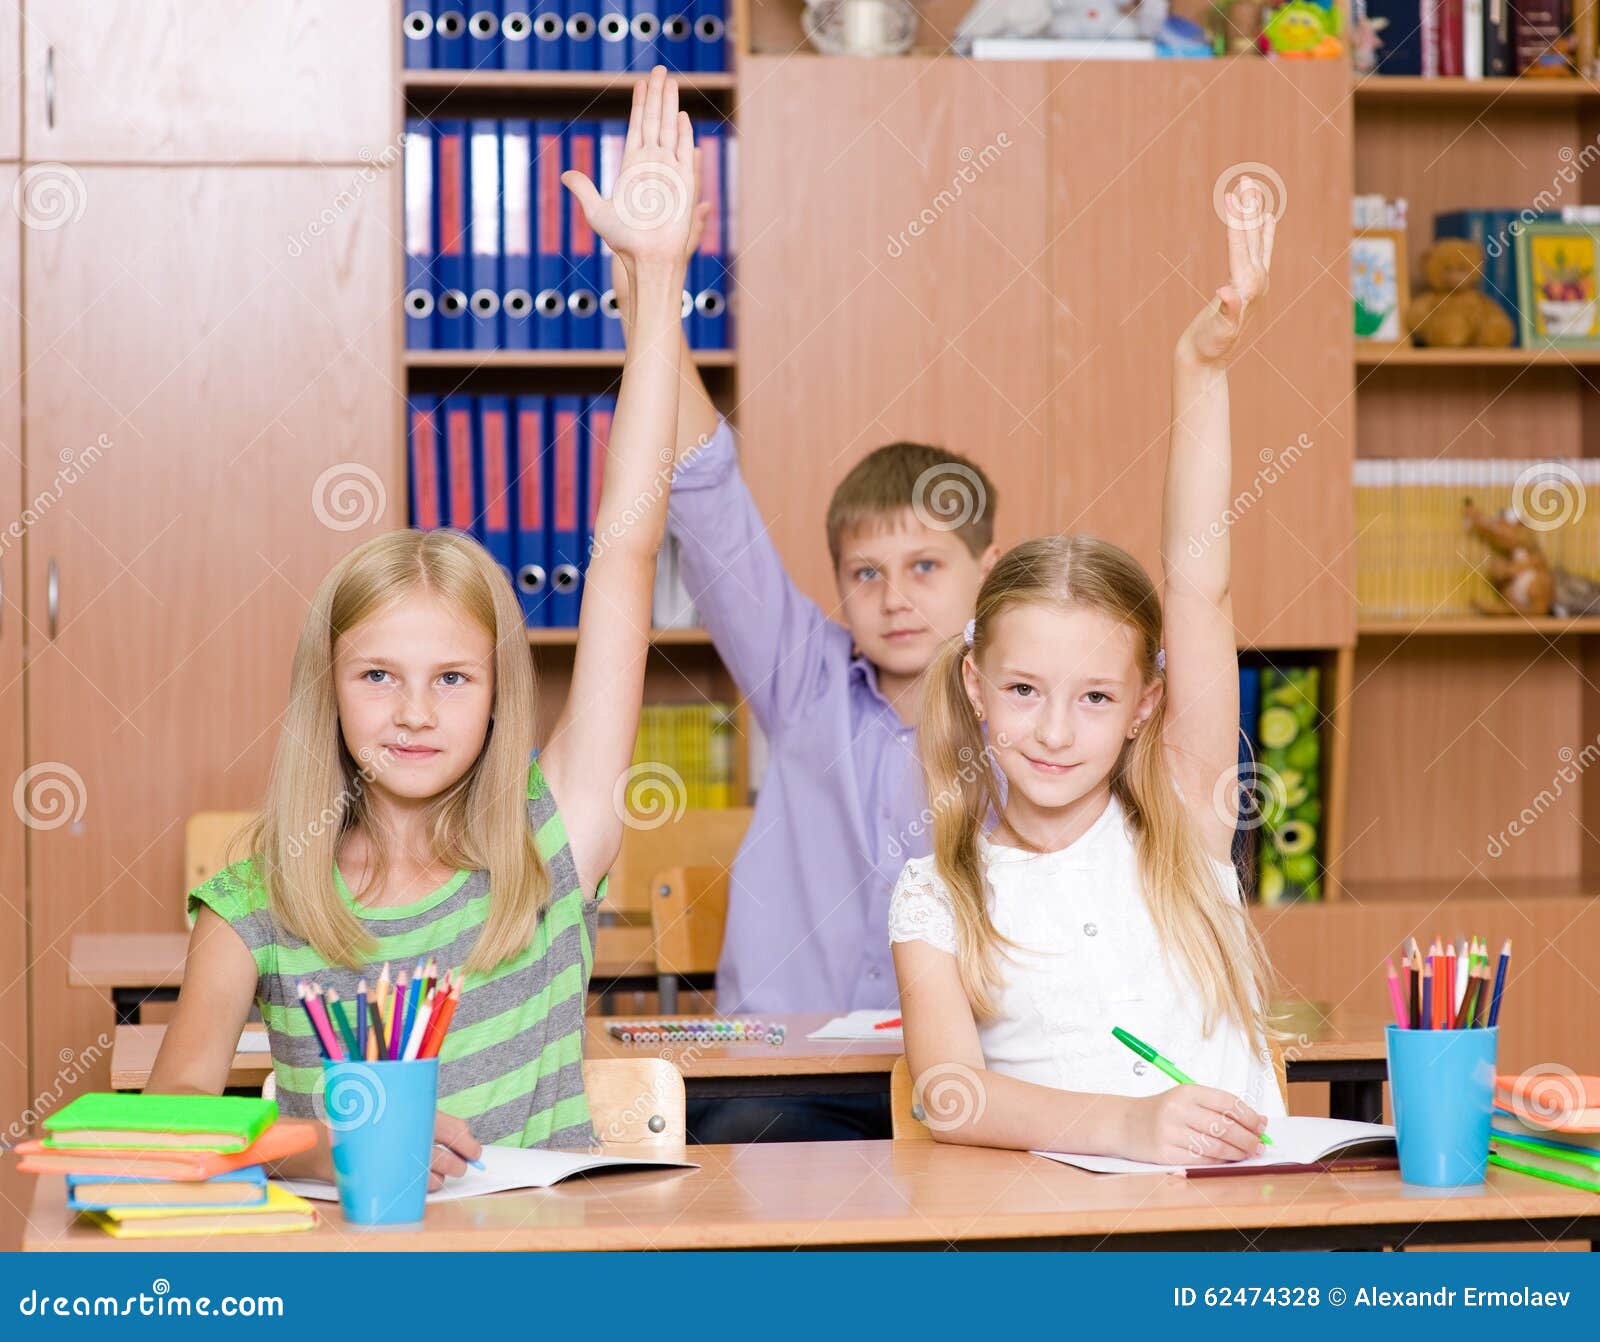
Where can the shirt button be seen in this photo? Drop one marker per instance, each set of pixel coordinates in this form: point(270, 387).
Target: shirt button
point(874, 973)
point(1090, 930)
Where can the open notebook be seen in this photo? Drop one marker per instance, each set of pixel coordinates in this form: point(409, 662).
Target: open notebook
point(1295, 1141)
point(507, 1167)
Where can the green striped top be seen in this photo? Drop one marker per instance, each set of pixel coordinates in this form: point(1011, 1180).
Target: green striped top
point(512, 1063)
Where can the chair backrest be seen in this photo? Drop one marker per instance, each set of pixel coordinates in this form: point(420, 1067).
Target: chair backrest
point(687, 915)
point(205, 843)
point(636, 1101)
point(695, 838)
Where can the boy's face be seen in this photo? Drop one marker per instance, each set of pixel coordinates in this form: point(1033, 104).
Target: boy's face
point(905, 587)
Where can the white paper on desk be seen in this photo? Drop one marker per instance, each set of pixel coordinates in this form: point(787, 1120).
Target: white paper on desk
point(1295, 1141)
point(859, 1025)
point(506, 1167)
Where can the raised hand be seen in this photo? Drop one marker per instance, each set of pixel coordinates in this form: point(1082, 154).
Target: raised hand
point(1213, 336)
point(650, 213)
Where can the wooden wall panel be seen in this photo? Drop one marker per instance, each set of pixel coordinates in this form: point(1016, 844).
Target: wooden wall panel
point(1136, 249)
point(226, 380)
point(10, 79)
point(854, 331)
point(161, 81)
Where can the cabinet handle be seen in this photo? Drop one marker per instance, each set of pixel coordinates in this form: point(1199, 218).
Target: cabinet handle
point(50, 87)
point(52, 596)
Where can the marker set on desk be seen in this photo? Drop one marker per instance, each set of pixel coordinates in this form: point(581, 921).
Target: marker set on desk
point(400, 1024)
point(1448, 989)
point(499, 255)
point(619, 35)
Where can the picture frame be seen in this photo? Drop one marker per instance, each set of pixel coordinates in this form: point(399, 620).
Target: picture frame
point(1557, 305)
point(1379, 286)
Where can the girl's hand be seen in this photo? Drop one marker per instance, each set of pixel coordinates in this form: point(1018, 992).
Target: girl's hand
point(649, 215)
point(697, 226)
point(1192, 1125)
point(1213, 337)
point(453, 1146)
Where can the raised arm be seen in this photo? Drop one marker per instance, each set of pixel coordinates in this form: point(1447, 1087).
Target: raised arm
point(1202, 666)
point(646, 223)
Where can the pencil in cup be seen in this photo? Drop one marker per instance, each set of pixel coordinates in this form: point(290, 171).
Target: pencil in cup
point(413, 1034)
point(1449, 989)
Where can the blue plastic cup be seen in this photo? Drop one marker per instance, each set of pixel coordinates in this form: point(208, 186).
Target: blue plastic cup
point(1441, 1083)
point(381, 1116)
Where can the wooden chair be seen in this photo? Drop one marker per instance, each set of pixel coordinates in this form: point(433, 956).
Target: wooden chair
point(688, 915)
point(205, 843)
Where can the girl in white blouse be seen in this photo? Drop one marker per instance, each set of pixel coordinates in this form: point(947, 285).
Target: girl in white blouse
point(1103, 894)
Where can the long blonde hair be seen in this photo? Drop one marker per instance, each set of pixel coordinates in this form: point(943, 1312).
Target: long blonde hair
point(316, 792)
point(1210, 935)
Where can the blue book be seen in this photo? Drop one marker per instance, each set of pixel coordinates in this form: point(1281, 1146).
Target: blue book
point(246, 1187)
point(516, 35)
point(644, 19)
point(564, 502)
point(516, 252)
point(1400, 39)
point(579, 50)
point(449, 36)
point(710, 35)
point(613, 139)
point(611, 19)
point(450, 197)
point(1495, 232)
point(549, 257)
point(483, 38)
point(531, 543)
point(417, 32)
point(677, 35)
point(483, 267)
point(549, 35)
point(495, 492)
point(460, 457)
point(426, 475)
point(708, 265)
point(419, 212)
point(582, 154)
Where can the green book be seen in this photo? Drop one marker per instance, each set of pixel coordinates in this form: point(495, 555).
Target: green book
point(1580, 1169)
point(159, 1122)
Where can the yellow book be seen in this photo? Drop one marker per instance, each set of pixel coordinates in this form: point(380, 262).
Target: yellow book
point(282, 1211)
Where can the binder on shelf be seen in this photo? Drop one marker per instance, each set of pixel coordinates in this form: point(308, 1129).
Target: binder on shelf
point(422, 449)
point(516, 263)
point(450, 234)
point(597, 437)
point(565, 467)
point(483, 39)
point(494, 448)
point(549, 34)
point(418, 302)
point(583, 251)
point(483, 306)
point(677, 36)
point(708, 265)
point(710, 36)
point(516, 35)
point(578, 50)
point(612, 34)
point(417, 33)
point(449, 36)
point(460, 461)
point(644, 21)
point(613, 137)
point(531, 547)
point(550, 299)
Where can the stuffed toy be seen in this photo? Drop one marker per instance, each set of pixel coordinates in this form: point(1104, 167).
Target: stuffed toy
point(1516, 568)
point(1454, 311)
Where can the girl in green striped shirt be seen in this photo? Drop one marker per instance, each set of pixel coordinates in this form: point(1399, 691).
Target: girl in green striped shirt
point(402, 819)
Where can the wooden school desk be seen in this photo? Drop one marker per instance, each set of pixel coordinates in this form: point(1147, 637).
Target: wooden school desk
point(918, 1195)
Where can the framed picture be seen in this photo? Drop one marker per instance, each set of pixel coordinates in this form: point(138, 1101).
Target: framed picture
point(1378, 285)
point(1556, 283)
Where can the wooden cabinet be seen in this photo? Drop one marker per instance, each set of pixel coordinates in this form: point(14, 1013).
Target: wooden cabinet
point(240, 427)
point(228, 81)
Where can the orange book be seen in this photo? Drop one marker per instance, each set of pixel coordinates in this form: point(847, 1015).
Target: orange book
point(286, 1137)
point(1557, 1101)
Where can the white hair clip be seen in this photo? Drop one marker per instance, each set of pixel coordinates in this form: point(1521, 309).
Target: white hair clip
point(969, 631)
point(1161, 659)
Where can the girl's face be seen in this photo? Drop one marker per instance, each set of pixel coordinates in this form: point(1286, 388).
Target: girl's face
point(1060, 693)
point(415, 686)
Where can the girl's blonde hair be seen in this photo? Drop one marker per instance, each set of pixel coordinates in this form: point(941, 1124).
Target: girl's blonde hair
point(317, 790)
point(1210, 935)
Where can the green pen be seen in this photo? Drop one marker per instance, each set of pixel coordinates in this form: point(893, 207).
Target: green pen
point(1151, 1056)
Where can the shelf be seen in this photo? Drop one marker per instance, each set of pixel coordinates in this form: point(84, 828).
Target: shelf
point(1410, 356)
point(465, 359)
point(659, 638)
point(1474, 625)
point(1380, 90)
point(1433, 891)
point(552, 81)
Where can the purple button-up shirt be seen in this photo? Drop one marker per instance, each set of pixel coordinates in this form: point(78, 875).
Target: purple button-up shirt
point(842, 805)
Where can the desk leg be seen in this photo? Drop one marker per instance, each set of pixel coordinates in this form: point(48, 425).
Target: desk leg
point(127, 1002)
point(1359, 1100)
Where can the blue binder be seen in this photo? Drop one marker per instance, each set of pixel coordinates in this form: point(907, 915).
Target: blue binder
point(613, 138)
point(450, 235)
point(460, 458)
point(483, 270)
point(422, 451)
point(494, 450)
point(708, 265)
point(677, 36)
point(516, 35)
point(611, 18)
point(449, 36)
point(644, 51)
point(531, 548)
point(583, 247)
point(419, 233)
point(565, 468)
point(483, 38)
point(549, 35)
point(581, 40)
point(597, 416)
point(549, 261)
point(417, 32)
point(516, 199)
point(710, 35)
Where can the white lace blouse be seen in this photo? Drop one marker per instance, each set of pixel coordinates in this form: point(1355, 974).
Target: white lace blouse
point(1091, 960)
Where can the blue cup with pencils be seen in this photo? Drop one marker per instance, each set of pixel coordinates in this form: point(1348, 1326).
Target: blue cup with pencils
point(1442, 1058)
point(380, 1089)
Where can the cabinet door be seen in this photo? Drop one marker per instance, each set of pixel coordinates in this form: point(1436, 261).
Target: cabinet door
point(890, 264)
point(227, 81)
point(237, 427)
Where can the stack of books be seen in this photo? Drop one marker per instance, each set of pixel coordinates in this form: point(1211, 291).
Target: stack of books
point(140, 1166)
point(1547, 1125)
point(695, 741)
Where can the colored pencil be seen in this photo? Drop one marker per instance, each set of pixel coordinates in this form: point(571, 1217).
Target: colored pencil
point(316, 1030)
point(419, 1027)
point(397, 1018)
point(1429, 1015)
point(375, 1034)
point(336, 1013)
point(1480, 1009)
point(319, 1018)
point(419, 981)
point(1414, 981)
point(1463, 1013)
point(441, 1023)
point(361, 1019)
point(385, 1006)
point(1394, 996)
point(1449, 1003)
point(1499, 983)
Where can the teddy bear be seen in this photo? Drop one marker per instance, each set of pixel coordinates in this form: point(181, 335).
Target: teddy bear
point(1454, 311)
point(1516, 568)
